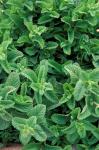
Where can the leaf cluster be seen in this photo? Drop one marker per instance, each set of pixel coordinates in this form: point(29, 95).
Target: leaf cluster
point(49, 73)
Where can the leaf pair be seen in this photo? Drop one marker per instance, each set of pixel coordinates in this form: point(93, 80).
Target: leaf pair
point(29, 128)
point(38, 80)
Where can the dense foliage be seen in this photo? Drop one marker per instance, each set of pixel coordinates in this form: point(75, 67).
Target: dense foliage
point(49, 74)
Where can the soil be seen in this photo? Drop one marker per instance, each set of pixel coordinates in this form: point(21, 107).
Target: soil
point(15, 147)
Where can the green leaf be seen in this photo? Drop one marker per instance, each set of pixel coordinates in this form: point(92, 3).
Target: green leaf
point(29, 5)
point(51, 96)
point(48, 147)
point(97, 110)
point(38, 97)
point(14, 54)
point(30, 51)
point(79, 90)
point(96, 132)
point(4, 124)
point(67, 49)
point(25, 136)
point(55, 65)
point(45, 18)
point(6, 91)
point(51, 45)
point(40, 41)
point(71, 35)
point(94, 75)
point(5, 115)
point(55, 14)
point(42, 74)
point(92, 20)
point(6, 66)
point(29, 74)
point(85, 113)
point(39, 111)
point(39, 134)
point(68, 147)
point(13, 80)
point(18, 123)
point(23, 89)
point(71, 129)
point(59, 118)
point(72, 138)
point(6, 104)
point(32, 146)
point(28, 24)
point(81, 129)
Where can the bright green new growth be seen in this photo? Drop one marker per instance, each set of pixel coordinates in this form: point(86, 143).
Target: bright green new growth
point(49, 74)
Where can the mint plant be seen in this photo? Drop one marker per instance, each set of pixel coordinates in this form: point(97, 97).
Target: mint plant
point(49, 74)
